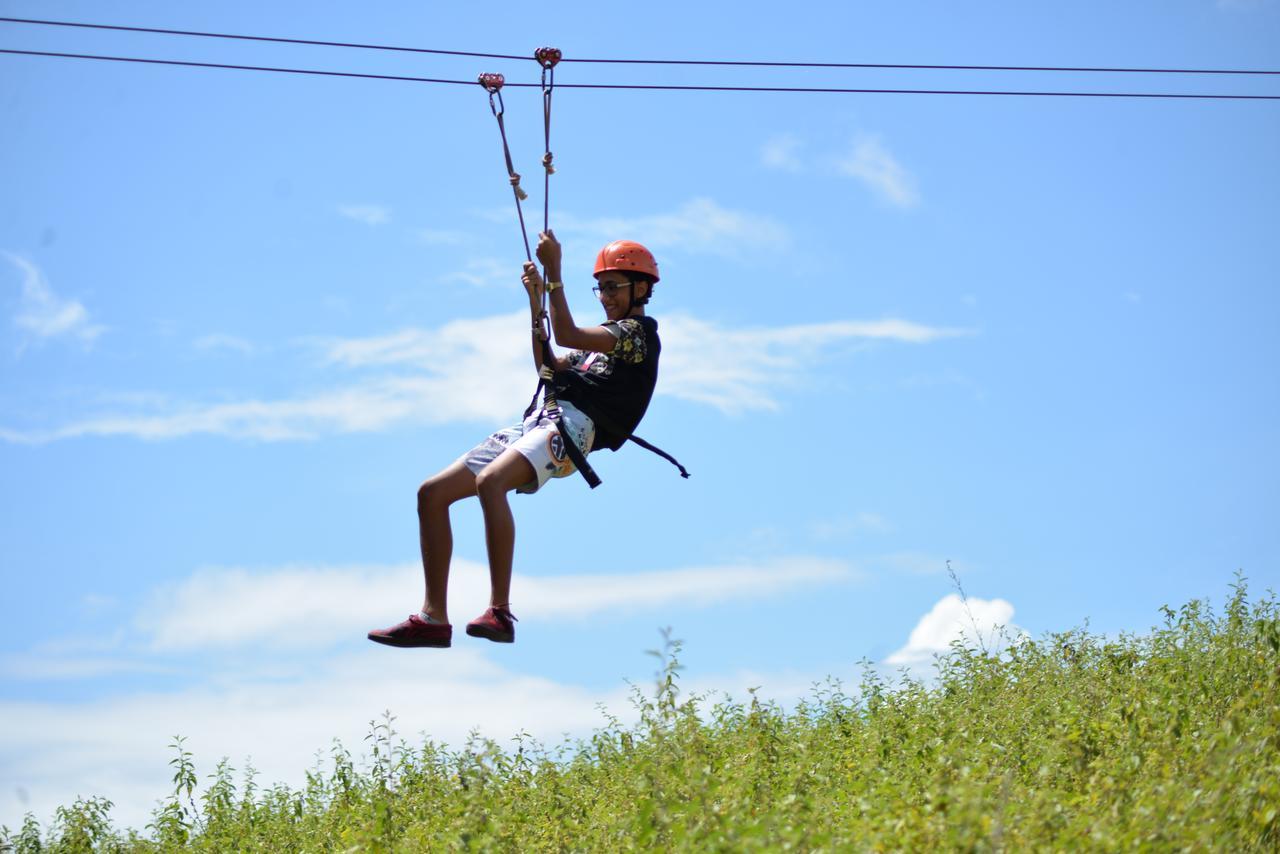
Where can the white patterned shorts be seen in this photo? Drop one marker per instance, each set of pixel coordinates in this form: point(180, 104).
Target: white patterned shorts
point(538, 440)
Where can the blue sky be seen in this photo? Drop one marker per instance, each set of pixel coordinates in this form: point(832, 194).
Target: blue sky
point(243, 315)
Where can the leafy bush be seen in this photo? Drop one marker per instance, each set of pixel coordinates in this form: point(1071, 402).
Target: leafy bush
point(1162, 741)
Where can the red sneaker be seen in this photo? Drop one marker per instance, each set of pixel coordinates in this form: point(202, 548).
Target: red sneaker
point(495, 624)
point(414, 631)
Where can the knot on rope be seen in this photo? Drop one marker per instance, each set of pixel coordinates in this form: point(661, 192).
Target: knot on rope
point(491, 82)
point(547, 56)
point(515, 185)
point(546, 161)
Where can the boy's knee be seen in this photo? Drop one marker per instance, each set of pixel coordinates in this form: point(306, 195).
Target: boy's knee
point(488, 486)
point(431, 497)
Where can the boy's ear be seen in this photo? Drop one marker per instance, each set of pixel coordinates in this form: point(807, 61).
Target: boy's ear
point(643, 287)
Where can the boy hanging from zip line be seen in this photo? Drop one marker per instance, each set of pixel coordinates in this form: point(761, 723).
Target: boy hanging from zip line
point(603, 387)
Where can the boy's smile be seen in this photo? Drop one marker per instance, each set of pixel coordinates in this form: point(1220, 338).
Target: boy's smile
point(614, 290)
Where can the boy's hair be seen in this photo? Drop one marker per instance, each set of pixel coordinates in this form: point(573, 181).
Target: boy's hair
point(636, 278)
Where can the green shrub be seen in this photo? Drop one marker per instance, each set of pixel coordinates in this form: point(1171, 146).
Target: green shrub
point(1072, 741)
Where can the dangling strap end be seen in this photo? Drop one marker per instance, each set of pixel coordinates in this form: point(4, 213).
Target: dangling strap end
point(684, 473)
point(515, 185)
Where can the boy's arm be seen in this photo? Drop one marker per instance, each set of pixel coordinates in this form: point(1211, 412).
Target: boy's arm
point(567, 333)
point(533, 285)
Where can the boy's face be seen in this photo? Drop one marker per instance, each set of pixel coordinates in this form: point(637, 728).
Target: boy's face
point(616, 293)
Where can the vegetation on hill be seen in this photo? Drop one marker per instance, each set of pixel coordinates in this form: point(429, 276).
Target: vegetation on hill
point(1168, 740)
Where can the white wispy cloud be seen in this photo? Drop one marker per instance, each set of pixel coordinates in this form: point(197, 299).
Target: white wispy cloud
point(875, 166)
point(840, 526)
point(218, 341)
point(700, 225)
point(975, 622)
point(117, 746)
point(482, 367)
point(739, 370)
point(440, 237)
point(368, 214)
point(308, 607)
point(280, 711)
point(486, 273)
point(46, 667)
point(376, 405)
point(42, 314)
point(918, 563)
point(782, 152)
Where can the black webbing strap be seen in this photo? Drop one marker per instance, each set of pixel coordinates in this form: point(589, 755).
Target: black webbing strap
point(603, 421)
point(655, 449)
point(551, 407)
point(576, 456)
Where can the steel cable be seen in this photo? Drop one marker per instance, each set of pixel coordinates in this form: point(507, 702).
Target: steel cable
point(653, 87)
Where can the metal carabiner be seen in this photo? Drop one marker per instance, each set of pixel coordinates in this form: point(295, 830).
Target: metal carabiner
point(492, 84)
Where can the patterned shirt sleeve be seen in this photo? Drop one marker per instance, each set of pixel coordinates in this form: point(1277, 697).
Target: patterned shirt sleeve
point(576, 357)
point(631, 346)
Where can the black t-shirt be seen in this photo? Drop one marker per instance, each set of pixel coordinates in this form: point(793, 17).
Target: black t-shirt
point(614, 388)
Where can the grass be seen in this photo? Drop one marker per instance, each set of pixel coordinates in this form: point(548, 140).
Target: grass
point(1167, 740)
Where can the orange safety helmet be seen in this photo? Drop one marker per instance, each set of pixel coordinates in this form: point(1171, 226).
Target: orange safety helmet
point(626, 256)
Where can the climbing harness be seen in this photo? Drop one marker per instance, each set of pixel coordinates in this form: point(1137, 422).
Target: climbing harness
point(548, 58)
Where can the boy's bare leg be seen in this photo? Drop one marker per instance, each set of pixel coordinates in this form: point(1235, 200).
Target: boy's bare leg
point(436, 535)
point(508, 471)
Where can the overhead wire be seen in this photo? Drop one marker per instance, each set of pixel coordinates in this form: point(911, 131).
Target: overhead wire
point(277, 39)
point(652, 87)
point(921, 66)
point(226, 65)
point(625, 61)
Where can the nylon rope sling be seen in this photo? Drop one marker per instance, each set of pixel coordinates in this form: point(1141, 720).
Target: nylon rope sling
point(492, 83)
point(547, 58)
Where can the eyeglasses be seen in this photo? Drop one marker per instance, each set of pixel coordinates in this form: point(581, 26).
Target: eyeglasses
point(610, 289)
